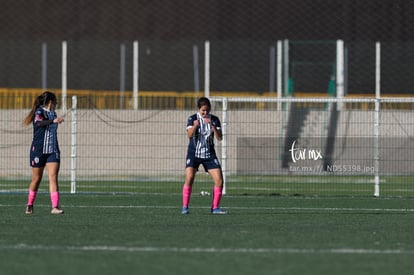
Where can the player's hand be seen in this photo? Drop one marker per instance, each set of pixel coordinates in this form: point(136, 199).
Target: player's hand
point(58, 120)
point(207, 119)
point(196, 123)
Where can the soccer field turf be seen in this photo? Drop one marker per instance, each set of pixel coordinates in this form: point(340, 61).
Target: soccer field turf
point(146, 234)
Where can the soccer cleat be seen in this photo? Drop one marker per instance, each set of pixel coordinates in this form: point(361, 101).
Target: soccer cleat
point(29, 210)
point(56, 210)
point(218, 211)
point(185, 211)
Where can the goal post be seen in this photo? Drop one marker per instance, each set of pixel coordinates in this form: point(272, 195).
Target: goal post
point(362, 152)
point(366, 150)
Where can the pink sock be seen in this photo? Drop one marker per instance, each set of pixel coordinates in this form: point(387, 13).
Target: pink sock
point(217, 193)
point(32, 197)
point(186, 195)
point(54, 197)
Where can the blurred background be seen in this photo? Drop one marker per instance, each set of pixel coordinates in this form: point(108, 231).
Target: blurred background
point(137, 67)
point(171, 34)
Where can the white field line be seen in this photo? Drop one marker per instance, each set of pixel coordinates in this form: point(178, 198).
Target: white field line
point(135, 249)
point(328, 209)
point(139, 249)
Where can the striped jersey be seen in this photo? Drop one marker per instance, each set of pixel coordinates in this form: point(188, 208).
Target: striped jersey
point(45, 137)
point(201, 144)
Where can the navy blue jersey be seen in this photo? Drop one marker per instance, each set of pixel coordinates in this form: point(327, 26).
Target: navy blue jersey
point(201, 144)
point(45, 137)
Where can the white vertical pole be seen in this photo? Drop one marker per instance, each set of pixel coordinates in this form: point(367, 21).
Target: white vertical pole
point(44, 66)
point(135, 73)
point(279, 78)
point(122, 76)
point(64, 76)
point(224, 144)
point(196, 70)
point(285, 70)
point(377, 118)
point(272, 69)
point(73, 146)
point(377, 70)
point(340, 70)
point(207, 69)
point(376, 147)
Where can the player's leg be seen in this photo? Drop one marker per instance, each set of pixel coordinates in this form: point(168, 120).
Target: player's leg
point(37, 174)
point(190, 173)
point(37, 162)
point(217, 177)
point(53, 171)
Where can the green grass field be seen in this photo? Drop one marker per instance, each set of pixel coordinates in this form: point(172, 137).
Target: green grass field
point(284, 185)
point(262, 234)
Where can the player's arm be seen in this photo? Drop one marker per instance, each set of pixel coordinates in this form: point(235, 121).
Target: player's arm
point(216, 126)
point(40, 120)
point(44, 123)
point(191, 130)
point(217, 132)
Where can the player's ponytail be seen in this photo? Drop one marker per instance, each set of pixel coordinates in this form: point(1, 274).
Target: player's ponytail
point(41, 100)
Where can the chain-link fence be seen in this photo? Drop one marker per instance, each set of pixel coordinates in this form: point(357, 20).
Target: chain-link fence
point(308, 146)
point(238, 67)
point(157, 57)
point(127, 20)
point(243, 36)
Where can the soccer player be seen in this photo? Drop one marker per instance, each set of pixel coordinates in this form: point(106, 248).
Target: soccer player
point(201, 129)
point(44, 151)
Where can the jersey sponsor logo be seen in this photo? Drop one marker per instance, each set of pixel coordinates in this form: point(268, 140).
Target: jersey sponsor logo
point(38, 117)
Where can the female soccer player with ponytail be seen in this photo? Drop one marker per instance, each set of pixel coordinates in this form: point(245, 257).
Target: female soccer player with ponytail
point(44, 151)
point(201, 129)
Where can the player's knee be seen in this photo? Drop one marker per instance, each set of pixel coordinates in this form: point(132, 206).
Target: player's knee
point(218, 182)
